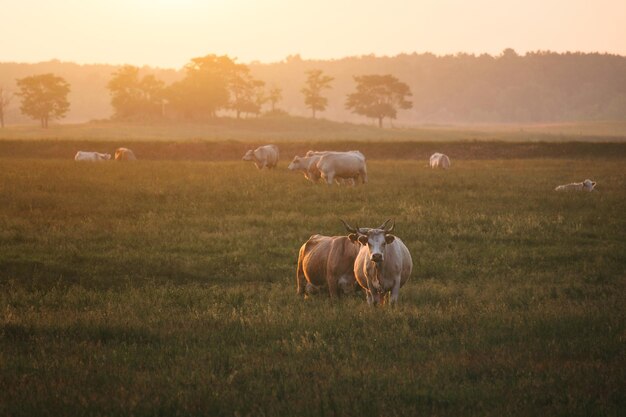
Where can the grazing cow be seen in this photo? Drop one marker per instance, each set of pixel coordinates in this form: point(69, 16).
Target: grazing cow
point(439, 160)
point(308, 165)
point(586, 185)
point(327, 261)
point(124, 154)
point(91, 156)
point(263, 156)
point(383, 264)
point(346, 165)
point(321, 153)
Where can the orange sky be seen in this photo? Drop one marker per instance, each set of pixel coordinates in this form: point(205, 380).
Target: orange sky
point(168, 33)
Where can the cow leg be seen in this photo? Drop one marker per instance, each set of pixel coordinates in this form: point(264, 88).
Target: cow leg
point(363, 175)
point(332, 288)
point(328, 177)
point(370, 299)
point(395, 292)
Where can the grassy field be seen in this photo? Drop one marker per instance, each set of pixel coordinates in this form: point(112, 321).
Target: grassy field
point(168, 288)
point(290, 129)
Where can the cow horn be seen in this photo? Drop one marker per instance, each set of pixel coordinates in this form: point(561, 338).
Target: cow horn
point(390, 229)
point(348, 227)
point(384, 225)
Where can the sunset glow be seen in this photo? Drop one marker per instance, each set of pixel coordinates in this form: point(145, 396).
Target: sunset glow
point(168, 33)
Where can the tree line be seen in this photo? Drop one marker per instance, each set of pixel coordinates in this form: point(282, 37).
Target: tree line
point(211, 84)
point(463, 88)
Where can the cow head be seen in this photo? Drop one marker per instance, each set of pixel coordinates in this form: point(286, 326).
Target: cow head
point(376, 240)
point(588, 185)
point(106, 156)
point(249, 156)
point(296, 164)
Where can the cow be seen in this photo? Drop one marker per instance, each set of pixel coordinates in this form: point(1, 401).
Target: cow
point(264, 156)
point(439, 160)
point(91, 156)
point(321, 153)
point(586, 185)
point(124, 154)
point(308, 165)
point(346, 165)
point(327, 261)
point(383, 264)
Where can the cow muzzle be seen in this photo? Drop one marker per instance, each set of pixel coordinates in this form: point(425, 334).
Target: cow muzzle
point(377, 257)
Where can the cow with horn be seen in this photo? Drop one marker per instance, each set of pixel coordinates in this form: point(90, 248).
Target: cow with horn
point(383, 263)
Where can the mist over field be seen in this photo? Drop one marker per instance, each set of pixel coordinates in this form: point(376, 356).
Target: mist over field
point(536, 87)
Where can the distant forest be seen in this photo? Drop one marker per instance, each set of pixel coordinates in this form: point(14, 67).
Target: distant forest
point(453, 89)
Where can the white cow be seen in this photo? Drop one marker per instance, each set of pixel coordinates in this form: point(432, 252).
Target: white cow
point(383, 264)
point(91, 156)
point(346, 165)
point(321, 153)
point(439, 160)
point(586, 185)
point(308, 165)
point(264, 156)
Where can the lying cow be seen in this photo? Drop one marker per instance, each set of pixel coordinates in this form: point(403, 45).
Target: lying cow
point(263, 156)
point(124, 154)
point(91, 156)
point(344, 165)
point(586, 185)
point(327, 261)
point(439, 160)
point(383, 264)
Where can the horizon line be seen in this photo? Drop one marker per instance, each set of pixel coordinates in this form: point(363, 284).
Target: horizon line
point(298, 57)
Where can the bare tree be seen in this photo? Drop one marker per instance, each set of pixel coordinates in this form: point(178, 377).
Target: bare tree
point(5, 100)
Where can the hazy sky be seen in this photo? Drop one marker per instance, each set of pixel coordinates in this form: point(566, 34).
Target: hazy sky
point(168, 33)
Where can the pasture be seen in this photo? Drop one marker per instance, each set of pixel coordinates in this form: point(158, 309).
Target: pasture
point(168, 288)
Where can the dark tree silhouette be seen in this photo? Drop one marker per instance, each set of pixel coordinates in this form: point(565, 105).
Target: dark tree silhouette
point(379, 97)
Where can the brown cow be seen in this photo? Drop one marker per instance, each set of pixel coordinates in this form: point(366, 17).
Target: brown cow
point(327, 261)
point(124, 154)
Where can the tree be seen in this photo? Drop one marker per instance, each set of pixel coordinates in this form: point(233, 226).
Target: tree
point(246, 93)
point(44, 97)
point(275, 95)
point(315, 83)
point(5, 100)
point(379, 96)
point(205, 88)
point(135, 97)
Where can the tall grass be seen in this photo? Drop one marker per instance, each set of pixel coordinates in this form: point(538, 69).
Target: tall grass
point(168, 288)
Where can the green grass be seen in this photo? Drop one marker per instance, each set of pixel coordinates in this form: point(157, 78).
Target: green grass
point(290, 129)
point(168, 288)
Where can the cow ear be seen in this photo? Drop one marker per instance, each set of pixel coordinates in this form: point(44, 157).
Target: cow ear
point(363, 240)
point(353, 237)
point(389, 238)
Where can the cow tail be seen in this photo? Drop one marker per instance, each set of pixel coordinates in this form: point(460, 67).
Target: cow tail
point(300, 279)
